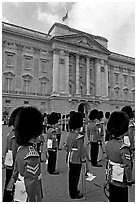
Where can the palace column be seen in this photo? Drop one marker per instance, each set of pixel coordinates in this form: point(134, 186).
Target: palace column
point(66, 72)
point(77, 75)
point(88, 77)
point(55, 71)
point(106, 78)
point(97, 78)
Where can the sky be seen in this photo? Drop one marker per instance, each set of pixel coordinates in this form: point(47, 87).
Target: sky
point(114, 20)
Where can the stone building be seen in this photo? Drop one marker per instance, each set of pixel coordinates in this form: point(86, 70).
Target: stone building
point(63, 70)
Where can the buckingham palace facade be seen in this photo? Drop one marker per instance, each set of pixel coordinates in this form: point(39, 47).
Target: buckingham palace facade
point(60, 70)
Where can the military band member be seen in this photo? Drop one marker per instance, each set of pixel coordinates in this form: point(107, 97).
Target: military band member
point(76, 154)
point(119, 171)
point(52, 143)
point(27, 169)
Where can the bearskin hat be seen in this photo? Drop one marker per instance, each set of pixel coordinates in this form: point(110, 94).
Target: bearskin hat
point(107, 114)
point(28, 124)
point(128, 110)
point(118, 123)
point(13, 116)
point(53, 118)
point(75, 121)
point(93, 114)
point(100, 115)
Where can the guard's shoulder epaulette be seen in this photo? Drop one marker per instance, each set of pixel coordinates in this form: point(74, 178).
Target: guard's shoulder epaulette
point(32, 152)
point(79, 136)
point(124, 145)
point(13, 137)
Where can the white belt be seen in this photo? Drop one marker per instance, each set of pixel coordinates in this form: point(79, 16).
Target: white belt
point(115, 164)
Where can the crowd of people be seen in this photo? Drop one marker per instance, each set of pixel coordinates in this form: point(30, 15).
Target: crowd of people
point(35, 138)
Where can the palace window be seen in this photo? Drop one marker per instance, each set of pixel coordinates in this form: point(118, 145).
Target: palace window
point(133, 95)
point(8, 83)
point(28, 60)
point(26, 87)
point(7, 101)
point(125, 79)
point(133, 81)
point(26, 102)
point(125, 95)
point(10, 58)
point(43, 65)
point(43, 87)
point(116, 78)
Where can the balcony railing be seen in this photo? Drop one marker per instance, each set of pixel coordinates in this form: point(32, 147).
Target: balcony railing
point(24, 93)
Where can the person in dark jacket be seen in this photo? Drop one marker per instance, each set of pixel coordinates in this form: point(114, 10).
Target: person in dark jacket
point(27, 169)
point(76, 154)
point(12, 146)
point(119, 168)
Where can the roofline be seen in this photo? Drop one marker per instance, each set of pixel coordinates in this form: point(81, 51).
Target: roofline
point(77, 31)
point(28, 29)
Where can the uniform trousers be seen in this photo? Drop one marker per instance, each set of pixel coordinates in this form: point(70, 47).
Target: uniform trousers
point(52, 160)
point(74, 175)
point(94, 153)
point(58, 138)
point(8, 195)
point(117, 193)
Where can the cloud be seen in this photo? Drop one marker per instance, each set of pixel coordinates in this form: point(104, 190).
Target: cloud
point(46, 16)
point(114, 21)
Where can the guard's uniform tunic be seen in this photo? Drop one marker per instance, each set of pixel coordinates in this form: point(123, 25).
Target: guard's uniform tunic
point(119, 161)
point(52, 149)
point(13, 146)
point(27, 165)
point(75, 149)
point(94, 138)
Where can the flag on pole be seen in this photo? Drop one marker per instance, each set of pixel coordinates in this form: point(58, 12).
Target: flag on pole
point(65, 17)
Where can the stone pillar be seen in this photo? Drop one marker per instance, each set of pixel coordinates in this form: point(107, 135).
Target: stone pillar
point(97, 78)
point(106, 78)
point(77, 75)
point(88, 77)
point(67, 73)
point(55, 72)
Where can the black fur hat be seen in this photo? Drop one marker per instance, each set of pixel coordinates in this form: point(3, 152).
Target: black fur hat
point(128, 110)
point(53, 118)
point(118, 123)
point(93, 114)
point(28, 124)
point(75, 121)
point(100, 115)
point(13, 116)
point(107, 114)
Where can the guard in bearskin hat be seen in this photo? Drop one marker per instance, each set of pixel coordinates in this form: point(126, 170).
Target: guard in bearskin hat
point(119, 168)
point(27, 169)
point(75, 153)
point(52, 143)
